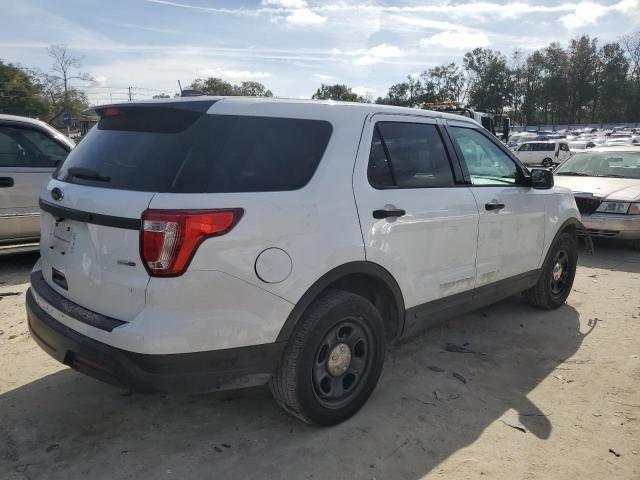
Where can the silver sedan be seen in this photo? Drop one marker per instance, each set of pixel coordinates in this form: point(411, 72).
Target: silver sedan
point(29, 152)
point(606, 185)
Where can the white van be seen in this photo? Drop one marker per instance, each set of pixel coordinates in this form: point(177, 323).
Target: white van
point(547, 154)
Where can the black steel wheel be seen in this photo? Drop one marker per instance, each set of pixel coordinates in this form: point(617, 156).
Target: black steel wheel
point(557, 274)
point(560, 272)
point(333, 359)
point(342, 362)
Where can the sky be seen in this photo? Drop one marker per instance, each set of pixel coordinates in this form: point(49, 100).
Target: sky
point(291, 46)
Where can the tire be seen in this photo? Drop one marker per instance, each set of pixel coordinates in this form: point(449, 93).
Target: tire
point(547, 162)
point(315, 380)
point(554, 284)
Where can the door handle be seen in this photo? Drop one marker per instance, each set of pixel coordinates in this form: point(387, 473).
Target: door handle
point(6, 182)
point(388, 213)
point(494, 206)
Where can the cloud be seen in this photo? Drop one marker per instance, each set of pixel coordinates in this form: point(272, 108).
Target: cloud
point(367, 60)
point(323, 77)
point(305, 16)
point(379, 54)
point(232, 74)
point(584, 14)
point(384, 50)
point(363, 91)
point(285, 3)
point(456, 39)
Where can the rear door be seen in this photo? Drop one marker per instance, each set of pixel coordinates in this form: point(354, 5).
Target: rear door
point(28, 156)
point(418, 221)
point(511, 226)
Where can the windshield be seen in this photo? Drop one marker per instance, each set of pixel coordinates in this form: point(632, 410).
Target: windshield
point(603, 164)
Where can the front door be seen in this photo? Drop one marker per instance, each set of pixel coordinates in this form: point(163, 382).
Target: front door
point(418, 219)
point(27, 158)
point(511, 226)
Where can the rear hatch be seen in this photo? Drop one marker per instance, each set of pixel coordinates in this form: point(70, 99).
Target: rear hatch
point(157, 161)
point(92, 208)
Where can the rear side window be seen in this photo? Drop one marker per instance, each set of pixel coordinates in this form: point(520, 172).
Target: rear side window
point(408, 155)
point(165, 150)
point(544, 147)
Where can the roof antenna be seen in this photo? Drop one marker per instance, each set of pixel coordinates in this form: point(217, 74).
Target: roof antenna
point(180, 87)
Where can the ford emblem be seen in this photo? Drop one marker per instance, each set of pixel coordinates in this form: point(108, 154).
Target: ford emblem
point(57, 194)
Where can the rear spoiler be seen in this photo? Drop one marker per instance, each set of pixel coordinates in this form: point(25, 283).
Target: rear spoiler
point(193, 104)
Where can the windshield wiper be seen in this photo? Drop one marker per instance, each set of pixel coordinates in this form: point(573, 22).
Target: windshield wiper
point(87, 173)
point(575, 174)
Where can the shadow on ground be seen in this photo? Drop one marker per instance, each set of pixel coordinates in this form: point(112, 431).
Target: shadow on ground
point(67, 426)
point(16, 268)
point(612, 254)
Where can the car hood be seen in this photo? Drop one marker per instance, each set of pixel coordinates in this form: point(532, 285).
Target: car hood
point(627, 189)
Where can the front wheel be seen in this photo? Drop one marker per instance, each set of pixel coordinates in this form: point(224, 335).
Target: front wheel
point(547, 162)
point(557, 275)
point(333, 359)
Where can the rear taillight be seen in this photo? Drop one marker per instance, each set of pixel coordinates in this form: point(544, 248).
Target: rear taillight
point(170, 238)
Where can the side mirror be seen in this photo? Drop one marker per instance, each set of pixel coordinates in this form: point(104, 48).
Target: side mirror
point(541, 179)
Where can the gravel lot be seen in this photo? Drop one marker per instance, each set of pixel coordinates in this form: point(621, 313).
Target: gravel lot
point(567, 381)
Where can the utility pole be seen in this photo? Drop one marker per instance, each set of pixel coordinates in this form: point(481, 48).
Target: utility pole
point(129, 93)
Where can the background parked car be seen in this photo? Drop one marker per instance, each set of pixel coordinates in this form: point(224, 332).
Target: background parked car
point(543, 153)
point(30, 150)
point(606, 184)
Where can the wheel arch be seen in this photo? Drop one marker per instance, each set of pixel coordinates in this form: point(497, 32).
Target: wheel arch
point(363, 278)
point(572, 226)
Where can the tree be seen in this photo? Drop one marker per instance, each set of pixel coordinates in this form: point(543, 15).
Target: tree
point(555, 83)
point(212, 86)
point(219, 87)
point(162, 95)
point(631, 44)
point(21, 93)
point(337, 92)
point(253, 89)
point(613, 86)
point(583, 68)
point(64, 64)
point(444, 83)
point(489, 90)
point(517, 75)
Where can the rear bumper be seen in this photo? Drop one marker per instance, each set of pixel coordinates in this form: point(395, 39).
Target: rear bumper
point(183, 372)
point(615, 226)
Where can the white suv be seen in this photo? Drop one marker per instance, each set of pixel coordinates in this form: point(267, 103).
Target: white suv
point(208, 243)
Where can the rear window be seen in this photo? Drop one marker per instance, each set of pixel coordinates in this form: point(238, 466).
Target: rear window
point(168, 150)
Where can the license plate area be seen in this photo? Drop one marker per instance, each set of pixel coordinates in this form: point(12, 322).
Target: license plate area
point(63, 236)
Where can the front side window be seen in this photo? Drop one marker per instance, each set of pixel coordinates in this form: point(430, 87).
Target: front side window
point(25, 147)
point(486, 162)
point(525, 148)
point(408, 155)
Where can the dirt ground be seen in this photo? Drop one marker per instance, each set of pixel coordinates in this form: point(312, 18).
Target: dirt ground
point(567, 381)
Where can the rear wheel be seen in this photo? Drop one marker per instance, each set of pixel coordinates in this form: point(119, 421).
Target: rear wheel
point(547, 162)
point(333, 360)
point(557, 275)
